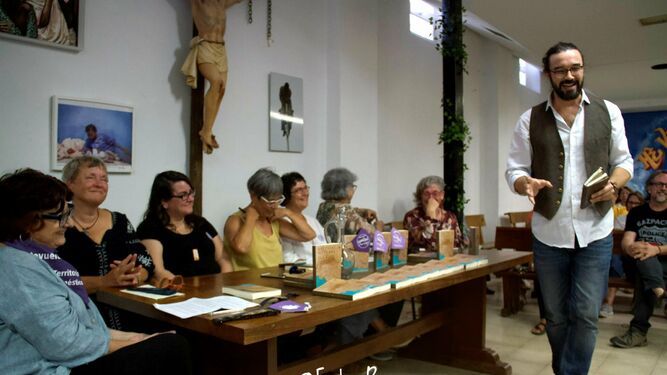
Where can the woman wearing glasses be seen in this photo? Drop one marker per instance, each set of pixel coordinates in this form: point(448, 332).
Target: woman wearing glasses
point(252, 234)
point(338, 188)
point(424, 221)
point(296, 193)
point(47, 322)
point(180, 242)
point(101, 244)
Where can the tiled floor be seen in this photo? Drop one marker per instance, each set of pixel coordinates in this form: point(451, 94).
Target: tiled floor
point(530, 355)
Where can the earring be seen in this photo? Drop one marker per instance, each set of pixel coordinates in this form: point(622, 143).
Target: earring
point(24, 237)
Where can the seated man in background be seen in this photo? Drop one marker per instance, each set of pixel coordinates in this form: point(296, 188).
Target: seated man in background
point(252, 234)
point(645, 241)
point(296, 193)
point(424, 221)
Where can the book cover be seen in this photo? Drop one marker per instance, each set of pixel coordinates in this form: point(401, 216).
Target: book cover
point(399, 247)
point(593, 184)
point(327, 260)
point(446, 243)
point(251, 291)
point(360, 257)
point(353, 289)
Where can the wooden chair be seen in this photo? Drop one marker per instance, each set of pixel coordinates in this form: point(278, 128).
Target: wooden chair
point(519, 217)
point(479, 222)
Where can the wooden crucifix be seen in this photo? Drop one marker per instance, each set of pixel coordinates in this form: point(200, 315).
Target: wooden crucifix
point(207, 56)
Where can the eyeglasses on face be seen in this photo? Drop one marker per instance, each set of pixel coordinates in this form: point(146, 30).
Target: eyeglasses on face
point(562, 72)
point(659, 185)
point(61, 217)
point(301, 190)
point(353, 186)
point(432, 194)
point(273, 202)
point(185, 195)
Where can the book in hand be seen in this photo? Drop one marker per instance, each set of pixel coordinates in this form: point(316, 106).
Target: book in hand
point(251, 291)
point(593, 184)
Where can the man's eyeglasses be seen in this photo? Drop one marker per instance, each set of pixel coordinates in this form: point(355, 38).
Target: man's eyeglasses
point(273, 202)
point(301, 190)
point(659, 184)
point(186, 195)
point(61, 217)
point(562, 72)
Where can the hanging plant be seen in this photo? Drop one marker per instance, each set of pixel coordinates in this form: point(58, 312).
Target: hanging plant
point(455, 135)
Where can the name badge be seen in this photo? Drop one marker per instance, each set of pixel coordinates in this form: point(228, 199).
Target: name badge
point(195, 255)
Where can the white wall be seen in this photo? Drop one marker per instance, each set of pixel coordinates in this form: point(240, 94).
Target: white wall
point(409, 115)
point(123, 61)
point(371, 96)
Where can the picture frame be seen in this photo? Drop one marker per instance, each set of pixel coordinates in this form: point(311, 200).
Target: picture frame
point(64, 29)
point(92, 127)
point(646, 132)
point(285, 113)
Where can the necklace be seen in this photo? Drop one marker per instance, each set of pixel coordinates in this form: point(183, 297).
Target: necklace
point(85, 229)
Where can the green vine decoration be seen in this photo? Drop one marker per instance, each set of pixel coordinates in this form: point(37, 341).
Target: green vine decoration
point(447, 42)
point(455, 132)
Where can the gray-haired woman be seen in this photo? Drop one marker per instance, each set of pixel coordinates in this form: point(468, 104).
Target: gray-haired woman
point(338, 188)
point(425, 220)
point(252, 234)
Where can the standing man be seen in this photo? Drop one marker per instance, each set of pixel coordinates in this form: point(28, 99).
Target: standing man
point(556, 146)
point(645, 241)
point(208, 54)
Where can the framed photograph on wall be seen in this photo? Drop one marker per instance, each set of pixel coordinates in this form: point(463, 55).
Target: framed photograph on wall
point(646, 132)
point(90, 127)
point(52, 23)
point(285, 113)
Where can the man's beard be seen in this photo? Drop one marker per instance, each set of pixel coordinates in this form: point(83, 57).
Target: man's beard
point(568, 95)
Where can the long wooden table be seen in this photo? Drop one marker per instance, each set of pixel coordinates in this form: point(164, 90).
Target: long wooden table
point(451, 329)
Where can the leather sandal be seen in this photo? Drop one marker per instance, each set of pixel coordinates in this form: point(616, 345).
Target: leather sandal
point(539, 329)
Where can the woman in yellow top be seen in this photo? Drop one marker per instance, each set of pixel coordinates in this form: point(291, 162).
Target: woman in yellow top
point(252, 234)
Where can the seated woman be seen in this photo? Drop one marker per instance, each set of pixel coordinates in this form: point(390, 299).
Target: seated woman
point(179, 241)
point(252, 234)
point(47, 322)
point(102, 244)
point(424, 221)
point(296, 193)
point(338, 188)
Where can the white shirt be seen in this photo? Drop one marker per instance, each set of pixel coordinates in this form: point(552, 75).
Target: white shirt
point(293, 250)
point(570, 220)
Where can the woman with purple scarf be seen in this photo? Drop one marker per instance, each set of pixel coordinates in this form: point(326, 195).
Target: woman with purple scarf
point(48, 325)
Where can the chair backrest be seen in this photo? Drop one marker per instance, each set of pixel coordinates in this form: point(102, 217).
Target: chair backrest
point(520, 217)
point(476, 221)
point(514, 238)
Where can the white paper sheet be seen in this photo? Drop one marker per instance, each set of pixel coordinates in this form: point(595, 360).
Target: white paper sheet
point(197, 306)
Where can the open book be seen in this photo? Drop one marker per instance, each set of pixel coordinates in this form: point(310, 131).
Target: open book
point(593, 184)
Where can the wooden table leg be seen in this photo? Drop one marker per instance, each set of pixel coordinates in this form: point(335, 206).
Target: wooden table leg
point(460, 342)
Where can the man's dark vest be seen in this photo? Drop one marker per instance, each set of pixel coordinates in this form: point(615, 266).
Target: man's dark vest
point(549, 158)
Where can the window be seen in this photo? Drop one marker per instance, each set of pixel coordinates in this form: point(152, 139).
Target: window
point(420, 12)
point(529, 76)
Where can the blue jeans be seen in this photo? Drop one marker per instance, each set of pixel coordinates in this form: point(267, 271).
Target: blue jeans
point(572, 282)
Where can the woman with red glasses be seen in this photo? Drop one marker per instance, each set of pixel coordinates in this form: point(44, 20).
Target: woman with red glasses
point(424, 221)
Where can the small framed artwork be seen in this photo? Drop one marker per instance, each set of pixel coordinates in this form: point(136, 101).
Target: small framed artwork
point(90, 127)
point(285, 113)
point(52, 23)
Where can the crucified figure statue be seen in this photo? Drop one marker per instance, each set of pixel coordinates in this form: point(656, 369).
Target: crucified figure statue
point(208, 55)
